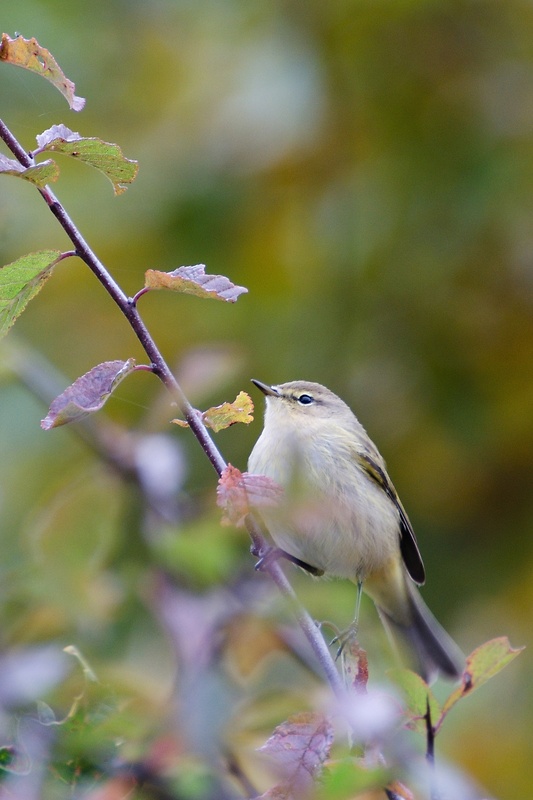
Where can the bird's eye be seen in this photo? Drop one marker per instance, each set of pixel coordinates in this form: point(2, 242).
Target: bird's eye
point(305, 399)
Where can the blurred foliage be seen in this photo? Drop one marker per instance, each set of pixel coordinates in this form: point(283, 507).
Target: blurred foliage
point(365, 169)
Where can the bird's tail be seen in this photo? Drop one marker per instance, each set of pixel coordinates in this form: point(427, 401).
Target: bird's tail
point(412, 626)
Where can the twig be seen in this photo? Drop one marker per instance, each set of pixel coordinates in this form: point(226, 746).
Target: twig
point(129, 308)
point(430, 751)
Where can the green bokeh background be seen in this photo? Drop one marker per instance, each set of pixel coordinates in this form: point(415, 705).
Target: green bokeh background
point(366, 170)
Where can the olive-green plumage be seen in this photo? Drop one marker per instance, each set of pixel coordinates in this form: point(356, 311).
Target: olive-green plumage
point(342, 516)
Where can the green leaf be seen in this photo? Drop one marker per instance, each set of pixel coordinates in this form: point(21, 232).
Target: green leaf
point(38, 174)
point(87, 394)
point(193, 280)
point(104, 156)
point(20, 281)
point(417, 694)
point(481, 665)
point(29, 54)
point(348, 778)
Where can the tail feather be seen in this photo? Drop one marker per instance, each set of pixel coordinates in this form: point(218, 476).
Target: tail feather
point(433, 650)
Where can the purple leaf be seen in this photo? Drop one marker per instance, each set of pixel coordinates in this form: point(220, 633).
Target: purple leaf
point(87, 394)
point(299, 747)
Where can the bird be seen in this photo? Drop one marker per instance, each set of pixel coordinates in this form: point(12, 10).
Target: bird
point(341, 515)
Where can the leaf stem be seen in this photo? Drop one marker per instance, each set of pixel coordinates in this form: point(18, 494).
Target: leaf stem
point(140, 293)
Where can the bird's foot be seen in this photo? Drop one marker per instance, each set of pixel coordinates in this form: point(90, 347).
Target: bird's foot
point(344, 638)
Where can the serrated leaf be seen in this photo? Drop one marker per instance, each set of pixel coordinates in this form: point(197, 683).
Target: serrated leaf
point(38, 174)
point(482, 664)
point(220, 417)
point(193, 280)
point(87, 394)
point(299, 747)
point(238, 491)
point(29, 54)
point(417, 694)
point(104, 156)
point(20, 281)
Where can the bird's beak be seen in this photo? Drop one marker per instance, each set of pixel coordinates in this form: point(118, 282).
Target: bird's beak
point(269, 391)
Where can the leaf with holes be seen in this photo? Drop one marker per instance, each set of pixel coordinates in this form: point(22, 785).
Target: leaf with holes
point(104, 156)
point(87, 394)
point(29, 54)
point(193, 280)
point(38, 174)
point(20, 281)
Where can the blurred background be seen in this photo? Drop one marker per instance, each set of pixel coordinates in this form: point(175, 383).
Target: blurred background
point(366, 170)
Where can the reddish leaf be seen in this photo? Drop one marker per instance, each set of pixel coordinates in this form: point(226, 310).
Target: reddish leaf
point(237, 491)
point(29, 54)
point(263, 492)
point(87, 394)
point(232, 497)
point(299, 748)
point(193, 280)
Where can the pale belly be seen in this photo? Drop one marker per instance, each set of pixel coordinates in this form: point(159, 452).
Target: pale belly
point(346, 527)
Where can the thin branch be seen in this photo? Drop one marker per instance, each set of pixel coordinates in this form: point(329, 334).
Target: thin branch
point(430, 751)
point(193, 416)
point(309, 627)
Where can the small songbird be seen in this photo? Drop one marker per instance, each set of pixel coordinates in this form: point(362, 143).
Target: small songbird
point(341, 514)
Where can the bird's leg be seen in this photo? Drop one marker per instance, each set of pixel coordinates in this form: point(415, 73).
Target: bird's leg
point(349, 633)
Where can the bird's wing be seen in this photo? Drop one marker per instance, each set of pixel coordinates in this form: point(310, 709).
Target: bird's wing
point(408, 544)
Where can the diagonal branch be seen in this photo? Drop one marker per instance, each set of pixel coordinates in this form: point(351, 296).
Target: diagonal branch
point(193, 416)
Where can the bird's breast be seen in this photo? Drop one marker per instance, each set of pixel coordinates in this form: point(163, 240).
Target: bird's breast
point(333, 515)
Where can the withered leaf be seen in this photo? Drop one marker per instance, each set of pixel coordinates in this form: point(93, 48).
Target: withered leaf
point(219, 417)
point(87, 394)
point(226, 414)
point(29, 54)
point(238, 491)
point(193, 280)
point(299, 747)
